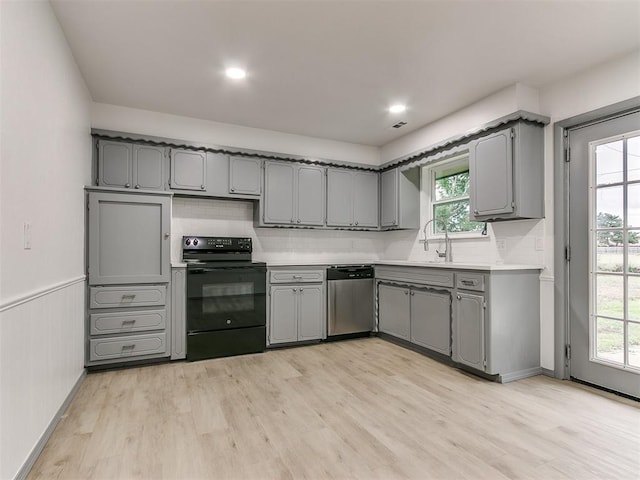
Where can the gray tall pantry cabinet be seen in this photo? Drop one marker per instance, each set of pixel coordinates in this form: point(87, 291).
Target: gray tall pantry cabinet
point(128, 264)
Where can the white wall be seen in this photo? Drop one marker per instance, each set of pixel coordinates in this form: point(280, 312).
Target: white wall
point(111, 117)
point(44, 163)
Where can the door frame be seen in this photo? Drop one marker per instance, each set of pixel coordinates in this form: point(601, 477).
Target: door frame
point(561, 224)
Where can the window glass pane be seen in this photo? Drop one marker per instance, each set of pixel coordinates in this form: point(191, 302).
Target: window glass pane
point(452, 185)
point(633, 159)
point(610, 296)
point(455, 216)
point(633, 297)
point(610, 340)
point(609, 258)
point(634, 343)
point(633, 251)
point(609, 163)
point(609, 207)
point(633, 205)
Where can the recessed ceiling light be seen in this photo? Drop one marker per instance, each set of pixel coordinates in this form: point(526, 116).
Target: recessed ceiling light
point(397, 108)
point(235, 73)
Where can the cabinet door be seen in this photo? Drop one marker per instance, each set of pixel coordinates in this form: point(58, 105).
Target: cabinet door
point(128, 238)
point(278, 193)
point(389, 198)
point(339, 197)
point(469, 330)
point(148, 167)
point(310, 312)
point(393, 311)
point(283, 317)
point(310, 193)
point(244, 175)
point(365, 199)
point(217, 174)
point(114, 164)
point(188, 170)
point(491, 175)
point(431, 320)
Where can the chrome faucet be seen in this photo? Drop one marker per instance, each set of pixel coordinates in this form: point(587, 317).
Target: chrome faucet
point(447, 247)
point(426, 238)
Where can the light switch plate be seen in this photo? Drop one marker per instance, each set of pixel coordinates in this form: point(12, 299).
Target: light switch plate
point(27, 236)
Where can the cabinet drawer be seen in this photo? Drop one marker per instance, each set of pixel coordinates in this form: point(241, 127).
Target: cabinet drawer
point(470, 281)
point(115, 297)
point(123, 322)
point(296, 276)
point(130, 346)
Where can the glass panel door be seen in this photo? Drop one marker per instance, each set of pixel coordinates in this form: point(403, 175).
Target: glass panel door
point(615, 252)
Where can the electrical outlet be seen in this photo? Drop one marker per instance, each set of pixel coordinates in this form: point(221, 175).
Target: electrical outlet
point(539, 244)
point(501, 243)
point(27, 236)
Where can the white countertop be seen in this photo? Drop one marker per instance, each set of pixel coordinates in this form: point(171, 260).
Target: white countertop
point(460, 265)
point(402, 263)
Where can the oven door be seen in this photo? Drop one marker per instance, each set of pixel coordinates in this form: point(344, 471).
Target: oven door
point(221, 298)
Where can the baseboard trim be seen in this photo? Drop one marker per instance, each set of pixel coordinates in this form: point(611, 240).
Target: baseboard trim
point(37, 450)
point(548, 373)
point(520, 374)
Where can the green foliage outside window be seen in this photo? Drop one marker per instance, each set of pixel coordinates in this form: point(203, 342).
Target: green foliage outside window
point(451, 206)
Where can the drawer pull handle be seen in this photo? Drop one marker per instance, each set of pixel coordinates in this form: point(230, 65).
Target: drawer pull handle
point(129, 295)
point(128, 322)
point(468, 282)
point(129, 347)
point(297, 277)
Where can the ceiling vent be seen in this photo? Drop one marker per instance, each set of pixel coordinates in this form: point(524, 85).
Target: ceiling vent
point(399, 125)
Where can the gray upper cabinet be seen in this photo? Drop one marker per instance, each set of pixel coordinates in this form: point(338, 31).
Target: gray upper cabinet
point(352, 198)
point(294, 194)
point(279, 179)
point(400, 199)
point(148, 167)
point(126, 165)
point(245, 175)
point(129, 238)
point(188, 169)
point(115, 164)
point(506, 171)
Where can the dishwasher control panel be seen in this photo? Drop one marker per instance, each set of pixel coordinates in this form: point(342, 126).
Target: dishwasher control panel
point(347, 272)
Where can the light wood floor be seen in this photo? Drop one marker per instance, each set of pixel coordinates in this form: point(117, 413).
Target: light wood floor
point(363, 409)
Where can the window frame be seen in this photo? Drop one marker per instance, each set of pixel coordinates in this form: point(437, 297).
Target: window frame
point(428, 196)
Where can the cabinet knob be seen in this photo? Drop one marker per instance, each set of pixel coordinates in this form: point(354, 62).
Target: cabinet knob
point(233, 189)
point(201, 187)
point(127, 185)
point(167, 235)
point(356, 223)
point(475, 212)
point(406, 292)
point(294, 289)
point(137, 186)
point(413, 293)
point(298, 220)
point(458, 297)
point(292, 221)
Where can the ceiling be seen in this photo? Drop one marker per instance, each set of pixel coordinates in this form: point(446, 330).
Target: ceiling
point(330, 69)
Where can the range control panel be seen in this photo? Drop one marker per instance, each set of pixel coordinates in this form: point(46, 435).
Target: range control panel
point(220, 244)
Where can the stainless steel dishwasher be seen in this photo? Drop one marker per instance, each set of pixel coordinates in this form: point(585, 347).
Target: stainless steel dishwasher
point(350, 300)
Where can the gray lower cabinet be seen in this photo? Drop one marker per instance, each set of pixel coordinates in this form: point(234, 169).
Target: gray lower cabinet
point(431, 320)
point(178, 311)
point(400, 199)
point(188, 169)
point(352, 198)
point(394, 311)
point(469, 330)
point(297, 299)
point(128, 261)
point(126, 165)
point(415, 314)
point(506, 173)
point(294, 194)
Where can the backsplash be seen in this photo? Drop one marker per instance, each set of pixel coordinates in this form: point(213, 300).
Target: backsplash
point(212, 217)
point(507, 242)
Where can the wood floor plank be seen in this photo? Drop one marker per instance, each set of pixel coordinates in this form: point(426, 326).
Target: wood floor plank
point(361, 409)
